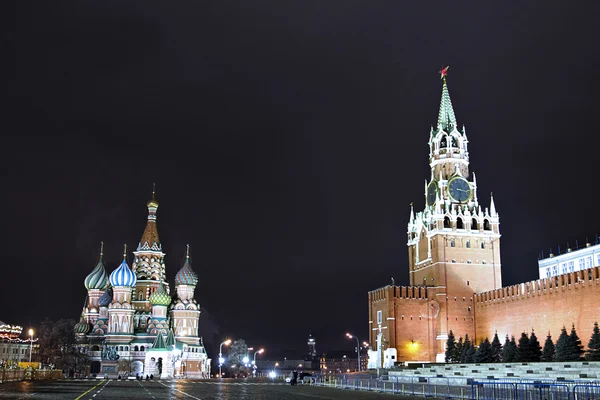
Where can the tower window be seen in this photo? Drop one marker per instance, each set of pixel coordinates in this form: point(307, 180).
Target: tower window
point(483, 245)
point(459, 224)
point(474, 225)
point(468, 244)
point(486, 225)
point(452, 243)
point(446, 222)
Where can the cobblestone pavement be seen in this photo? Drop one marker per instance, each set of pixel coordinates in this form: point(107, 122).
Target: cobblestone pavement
point(179, 389)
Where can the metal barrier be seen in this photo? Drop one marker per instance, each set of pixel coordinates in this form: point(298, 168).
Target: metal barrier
point(586, 391)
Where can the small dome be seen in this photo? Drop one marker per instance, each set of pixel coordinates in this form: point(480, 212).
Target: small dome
point(98, 278)
point(186, 276)
point(160, 297)
point(82, 327)
point(106, 297)
point(123, 276)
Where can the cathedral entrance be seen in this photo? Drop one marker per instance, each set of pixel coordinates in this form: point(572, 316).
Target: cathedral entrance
point(95, 367)
point(137, 368)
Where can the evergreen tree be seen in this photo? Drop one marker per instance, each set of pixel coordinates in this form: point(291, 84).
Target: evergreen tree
point(459, 348)
point(470, 354)
point(593, 353)
point(465, 349)
point(575, 351)
point(509, 351)
point(535, 350)
point(496, 349)
point(484, 352)
point(522, 354)
point(562, 344)
point(548, 352)
point(450, 348)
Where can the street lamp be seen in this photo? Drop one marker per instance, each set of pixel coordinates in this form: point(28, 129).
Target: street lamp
point(357, 348)
point(30, 343)
point(221, 360)
point(254, 362)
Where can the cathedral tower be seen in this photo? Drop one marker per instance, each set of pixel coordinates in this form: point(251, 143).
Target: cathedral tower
point(454, 243)
point(95, 283)
point(120, 311)
point(184, 310)
point(148, 264)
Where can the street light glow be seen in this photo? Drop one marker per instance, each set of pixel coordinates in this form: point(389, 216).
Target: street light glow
point(261, 351)
point(227, 342)
point(31, 332)
point(349, 335)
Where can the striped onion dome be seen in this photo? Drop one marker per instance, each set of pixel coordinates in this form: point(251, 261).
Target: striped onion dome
point(160, 297)
point(123, 276)
point(82, 326)
point(98, 278)
point(106, 297)
point(185, 276)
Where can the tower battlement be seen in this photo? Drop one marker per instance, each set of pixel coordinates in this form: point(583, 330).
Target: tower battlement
point(399, 292)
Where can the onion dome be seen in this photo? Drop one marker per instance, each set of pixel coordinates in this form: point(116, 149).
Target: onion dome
point(160, 297)
point(98, 278)
point(186, 276)
point(123, 276)
point(106, 297)
point(82, 326)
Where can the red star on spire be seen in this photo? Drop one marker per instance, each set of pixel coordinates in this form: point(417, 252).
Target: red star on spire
point(444, 72)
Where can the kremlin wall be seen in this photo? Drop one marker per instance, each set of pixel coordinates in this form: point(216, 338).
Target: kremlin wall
point(455, 270)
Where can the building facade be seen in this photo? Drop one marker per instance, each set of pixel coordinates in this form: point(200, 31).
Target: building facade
point(13, 349)
point(454, 268)
point(571, 261)
point(132, 324)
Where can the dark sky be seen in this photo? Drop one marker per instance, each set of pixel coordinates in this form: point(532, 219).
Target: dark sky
point(286, 140)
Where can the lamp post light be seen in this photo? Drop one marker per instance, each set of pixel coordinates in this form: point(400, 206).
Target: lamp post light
point(357, 349)
point(254, 362)
point(221, 360)
point(30, 343)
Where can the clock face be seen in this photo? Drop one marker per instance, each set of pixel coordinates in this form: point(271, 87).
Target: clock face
point(459, 189)
point(431, 192)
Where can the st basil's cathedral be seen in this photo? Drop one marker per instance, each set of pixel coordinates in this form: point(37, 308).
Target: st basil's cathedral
point(133, 325)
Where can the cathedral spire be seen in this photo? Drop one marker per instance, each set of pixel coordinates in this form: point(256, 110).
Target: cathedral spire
point(446, 118)
point(412, 213)
point(150, 239)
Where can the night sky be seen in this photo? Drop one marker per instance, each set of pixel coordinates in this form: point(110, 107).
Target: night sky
point(286, 140)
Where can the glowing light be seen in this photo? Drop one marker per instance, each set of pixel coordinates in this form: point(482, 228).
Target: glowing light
point(272, 374)
point(246, 360)
point(31, 332)
point(227, 342)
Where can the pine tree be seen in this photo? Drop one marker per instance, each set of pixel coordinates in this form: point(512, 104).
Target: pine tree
point(548, 352)
point(562, 346)
point(484, 352)
point(496, 349)
point(575, 347)
point(509, 351)
point(465, 349)
point(593, 353)
point(535, 350)
point(522, 354)
point(450, 348)
point(470, 354)
point(459, 348)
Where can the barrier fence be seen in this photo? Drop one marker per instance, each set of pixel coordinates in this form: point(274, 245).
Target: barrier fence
point(446, 388)
point(11, 375)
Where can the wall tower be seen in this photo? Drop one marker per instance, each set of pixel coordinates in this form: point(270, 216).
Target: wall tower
point(184, 310)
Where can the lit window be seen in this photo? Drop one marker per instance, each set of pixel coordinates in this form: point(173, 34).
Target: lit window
point(554, 270)
point(589, 262)
point(581, 264)
point(571, 266)
point(598, 258)
point(452, 243)
point(564, 268)
point(379, 317)
point(548, 272)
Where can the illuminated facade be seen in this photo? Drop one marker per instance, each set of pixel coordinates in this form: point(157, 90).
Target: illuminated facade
point(132, 324)
point(455, 270)
point(571, 261)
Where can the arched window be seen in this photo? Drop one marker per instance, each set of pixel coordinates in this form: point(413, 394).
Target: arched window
point(486, 225)
point(468, 244)
point(136, 348)
point(452, 244)
point(446, 222)
point(142, 348)
point(443, 142)
point(483, 245)
point(95, 348)
point(140, 296)
point(474, 225)
point(459, 224)
point(120, 348)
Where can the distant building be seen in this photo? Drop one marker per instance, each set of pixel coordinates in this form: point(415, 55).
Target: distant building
point(335, 362)
point(13, 349)
point(570, 261)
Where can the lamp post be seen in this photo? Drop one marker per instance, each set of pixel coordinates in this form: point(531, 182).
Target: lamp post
point(357, 349)
point(30, 343)
point(226, 343)
point(254, 362)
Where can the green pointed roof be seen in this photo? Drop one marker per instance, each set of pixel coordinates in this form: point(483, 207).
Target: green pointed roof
point(170, 339)
point(446, 117)
point(159, 342)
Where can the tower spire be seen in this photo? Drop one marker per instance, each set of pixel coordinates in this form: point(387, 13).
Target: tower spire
point(187, 254)
point(150, 239)
point(446, 117)
point(101, 249)
point(492, 206)
point(412, 213)
point(125, 251)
